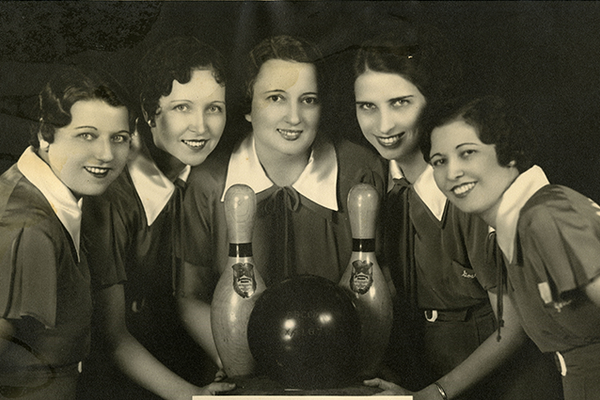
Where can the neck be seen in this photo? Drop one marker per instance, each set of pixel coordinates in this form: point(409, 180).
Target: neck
point(282, 169)
point(169, 165)
point(413, 166)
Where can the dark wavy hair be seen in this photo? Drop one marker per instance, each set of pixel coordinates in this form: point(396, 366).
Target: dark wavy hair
point(175, 59)
point(495, 121)
point(72, 84)
point(420, 54)
point(280, 47)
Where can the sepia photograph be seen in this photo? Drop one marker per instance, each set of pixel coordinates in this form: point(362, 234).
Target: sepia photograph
point(326, 199)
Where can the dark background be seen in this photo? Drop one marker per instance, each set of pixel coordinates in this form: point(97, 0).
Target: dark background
point(544, 57)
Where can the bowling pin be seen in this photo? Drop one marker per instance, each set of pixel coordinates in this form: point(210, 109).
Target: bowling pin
point(365, 281)
point(238, 287)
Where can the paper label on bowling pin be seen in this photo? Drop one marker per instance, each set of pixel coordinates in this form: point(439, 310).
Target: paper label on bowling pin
point(362, 276)
point(244, 282)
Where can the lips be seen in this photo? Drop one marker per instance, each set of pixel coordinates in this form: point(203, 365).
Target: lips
point(463, 190)
point(195, 144)
point(390, 141)
point(290, 134)
point(98, 172)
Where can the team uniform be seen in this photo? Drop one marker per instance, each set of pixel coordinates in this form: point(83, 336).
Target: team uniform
point(550, 236)
point(299, 229)
point(442, 262)
point(45, 285)
point(133, 230)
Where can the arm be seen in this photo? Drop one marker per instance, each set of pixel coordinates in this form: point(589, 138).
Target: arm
point(194, 309)
point(592, 290)
point(7, 331)
point(137, 362)
point(487, 357)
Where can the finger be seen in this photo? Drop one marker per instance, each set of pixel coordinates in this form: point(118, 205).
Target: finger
point(218, 387)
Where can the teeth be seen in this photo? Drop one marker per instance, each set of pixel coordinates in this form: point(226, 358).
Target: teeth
point(97, 170)
point(196, 144)
point(462, 189)
point(389, 141)
point(289, 134)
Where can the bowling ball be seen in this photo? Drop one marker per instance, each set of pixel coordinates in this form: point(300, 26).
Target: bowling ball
point(304, 333)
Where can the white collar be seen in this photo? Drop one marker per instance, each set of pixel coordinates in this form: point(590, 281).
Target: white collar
point(151, 185)
point(511, 203)
point(425, 187)
point(60, 197)
point(318, 181)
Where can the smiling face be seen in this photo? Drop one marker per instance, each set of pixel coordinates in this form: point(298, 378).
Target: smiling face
point(90, 152)
point(191, 119)
point(467, 170)
point(387, 108)
point(285, 108)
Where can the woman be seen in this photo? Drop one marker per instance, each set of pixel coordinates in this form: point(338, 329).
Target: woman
point(46, 303)
point(135, 228)
point(300, 176)
point(445, 344)
point(548, 234)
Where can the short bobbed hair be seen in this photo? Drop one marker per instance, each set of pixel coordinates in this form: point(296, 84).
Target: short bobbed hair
point(282, 47)
point(72, 84)
point(174, 60)
point(495, 122)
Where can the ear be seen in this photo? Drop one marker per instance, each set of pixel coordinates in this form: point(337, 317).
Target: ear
point(248, 118)
point(148, 119)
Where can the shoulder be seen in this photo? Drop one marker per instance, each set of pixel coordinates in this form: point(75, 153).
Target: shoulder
point(557, 205)
point(212, 171)
point(120, 197)
point(351, 152)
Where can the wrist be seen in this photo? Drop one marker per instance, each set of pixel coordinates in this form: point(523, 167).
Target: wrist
point(441, 391)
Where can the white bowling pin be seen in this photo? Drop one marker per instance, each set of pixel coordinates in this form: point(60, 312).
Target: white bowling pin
point(239, 285)
point(365, 280)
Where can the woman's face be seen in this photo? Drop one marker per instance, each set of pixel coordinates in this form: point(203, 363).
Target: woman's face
point(190, 120)
point(90, 152)
point(467, 170)
point(387, 108)
point(285, 107)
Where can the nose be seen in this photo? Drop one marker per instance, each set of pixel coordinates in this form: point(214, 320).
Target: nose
point(104, 151)
point(197, 122)
point(386, 122)
point(293, 114)
point(454, 169)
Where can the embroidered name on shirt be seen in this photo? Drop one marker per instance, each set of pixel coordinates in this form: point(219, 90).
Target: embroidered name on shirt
point(465, 274)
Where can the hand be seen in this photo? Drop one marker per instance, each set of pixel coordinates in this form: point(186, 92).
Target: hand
point(216, 388)
point(220, 375)
point(388, 388)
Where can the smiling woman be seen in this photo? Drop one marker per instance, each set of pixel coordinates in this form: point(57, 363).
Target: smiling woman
point(300, 176)
point(46, 304)
point(133, 231)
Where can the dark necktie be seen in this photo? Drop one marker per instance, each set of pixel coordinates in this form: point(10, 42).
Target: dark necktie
point(177, 255)
point(279, 203)
point(399, 239)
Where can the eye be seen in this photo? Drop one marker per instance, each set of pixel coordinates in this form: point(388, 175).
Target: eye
point(400, 102)
point(275, 98)
point(181, 107)
point(437, 162)
point(215, 109)
point(121, 138)
point(311, 100)
point(87, 136)
point(366, 106)
point(467, 152)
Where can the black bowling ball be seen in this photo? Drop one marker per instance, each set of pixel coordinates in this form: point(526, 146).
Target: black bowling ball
point(304, 333)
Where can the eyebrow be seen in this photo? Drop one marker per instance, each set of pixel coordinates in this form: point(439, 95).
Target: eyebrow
point(86, 127)
point(400, 98)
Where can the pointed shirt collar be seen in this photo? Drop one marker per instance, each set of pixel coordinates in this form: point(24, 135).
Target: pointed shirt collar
point(511, 203)
point(152, 186)
point(318, 181)
point(425, 187)
point(60, 197)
